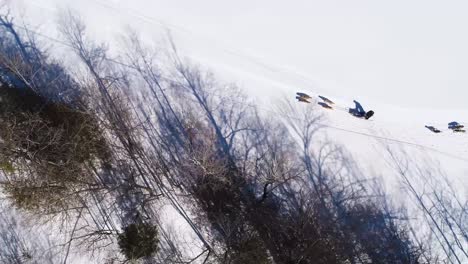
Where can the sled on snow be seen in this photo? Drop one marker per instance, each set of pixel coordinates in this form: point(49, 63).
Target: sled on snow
point(369, 114)
point(362, 115)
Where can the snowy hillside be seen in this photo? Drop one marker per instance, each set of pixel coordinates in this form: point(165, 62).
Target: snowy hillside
point(265, 78)
point(405, 89)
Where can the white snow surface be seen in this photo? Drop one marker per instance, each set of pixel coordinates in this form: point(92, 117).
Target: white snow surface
point(267, 78)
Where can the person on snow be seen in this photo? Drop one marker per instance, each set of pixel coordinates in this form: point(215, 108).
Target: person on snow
point(455, 125)
point(358, 110)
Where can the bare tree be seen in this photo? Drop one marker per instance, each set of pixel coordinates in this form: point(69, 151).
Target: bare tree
point(439, 207)
point(251, 188)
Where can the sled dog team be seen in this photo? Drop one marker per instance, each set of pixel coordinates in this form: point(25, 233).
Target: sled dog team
point(359, 112)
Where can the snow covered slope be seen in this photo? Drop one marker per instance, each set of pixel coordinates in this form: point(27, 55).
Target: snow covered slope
point(266, 79)
point(391, 51)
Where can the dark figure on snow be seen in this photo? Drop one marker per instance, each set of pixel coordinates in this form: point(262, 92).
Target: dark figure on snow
point(455, 125)
point(433, 129)
point(357, 111)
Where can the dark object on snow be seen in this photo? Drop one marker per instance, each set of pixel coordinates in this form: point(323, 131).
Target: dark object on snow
point(369, 114)
point(459, 130)
point(455, 125)
point(326, 100)
point(433, 129)
point(303, 95)
point(324, 105)
point(357, 111)
point(302, 99)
